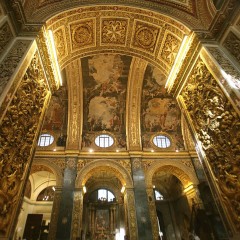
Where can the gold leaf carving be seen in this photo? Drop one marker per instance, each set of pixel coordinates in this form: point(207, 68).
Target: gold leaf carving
point(170, 48)
point(114, 31)
point(82, 34)
point(145, 36)
point(218, 128)
point(11, 61)
point(17, 132)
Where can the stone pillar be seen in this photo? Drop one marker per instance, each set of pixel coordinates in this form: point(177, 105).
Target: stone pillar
point(55, 213)
point(66, 204)
point(141, 201)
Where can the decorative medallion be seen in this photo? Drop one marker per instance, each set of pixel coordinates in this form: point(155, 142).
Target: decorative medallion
point(114, 30)
point(145, 36)
point(82, 34)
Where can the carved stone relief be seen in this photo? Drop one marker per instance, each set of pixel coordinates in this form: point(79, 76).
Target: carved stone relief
point(145, 36)
point(6, 36)
point(17, 131)
point(114, 30)
point(82, 34)
point(60, 43)
point(217, 126)
point(170, 48)
point(11, 61)
point(232, 44)
point(231, 83)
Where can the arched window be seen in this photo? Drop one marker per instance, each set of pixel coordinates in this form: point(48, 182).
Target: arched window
point(105, 195)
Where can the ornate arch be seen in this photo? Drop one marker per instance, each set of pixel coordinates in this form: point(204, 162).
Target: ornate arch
point(185, 173)
point(88, 170)
point(52, 167)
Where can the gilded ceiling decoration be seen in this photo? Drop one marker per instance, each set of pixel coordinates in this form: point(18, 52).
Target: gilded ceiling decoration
point(183, 9)
point(119, 29)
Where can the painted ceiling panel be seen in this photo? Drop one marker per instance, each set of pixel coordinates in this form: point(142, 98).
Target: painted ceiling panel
point(105, 84)
point(160, 112)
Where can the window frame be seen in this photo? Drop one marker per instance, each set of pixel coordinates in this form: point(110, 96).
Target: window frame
point(104, 140)
point(162, 137)
point(45, 136)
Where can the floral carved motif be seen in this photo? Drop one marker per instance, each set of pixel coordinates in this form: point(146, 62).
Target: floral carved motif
point(5, 36)
point(17, 133)
point(145, 36)
point(232, 43)
point(114, 31)
point(82, 34)
point(218, 128)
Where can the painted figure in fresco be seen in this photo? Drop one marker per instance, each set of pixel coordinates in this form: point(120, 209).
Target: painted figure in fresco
point(105, 91)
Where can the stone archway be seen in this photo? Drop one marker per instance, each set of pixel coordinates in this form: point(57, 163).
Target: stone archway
point(85, 174)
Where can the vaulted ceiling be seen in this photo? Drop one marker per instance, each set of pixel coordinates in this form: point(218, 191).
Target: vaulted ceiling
point(117, 60)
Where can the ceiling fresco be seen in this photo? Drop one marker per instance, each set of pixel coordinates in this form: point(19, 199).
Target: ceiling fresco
point(105, 83)
point(56, 117)
point(160, 112)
